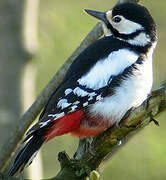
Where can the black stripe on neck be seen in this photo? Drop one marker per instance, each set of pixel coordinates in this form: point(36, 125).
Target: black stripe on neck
point(124, 36)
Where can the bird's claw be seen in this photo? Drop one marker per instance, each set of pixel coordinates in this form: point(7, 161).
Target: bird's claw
point(153, 120)
point(81, 149)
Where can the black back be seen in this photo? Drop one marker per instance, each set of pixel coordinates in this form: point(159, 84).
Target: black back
point(84, 62)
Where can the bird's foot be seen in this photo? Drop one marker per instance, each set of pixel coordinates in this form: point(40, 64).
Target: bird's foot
point(153, 120)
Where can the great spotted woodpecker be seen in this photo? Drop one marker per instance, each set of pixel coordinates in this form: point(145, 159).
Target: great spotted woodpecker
point(111, 76)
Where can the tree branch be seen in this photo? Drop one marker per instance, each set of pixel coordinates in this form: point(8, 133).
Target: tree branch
point(109, 140)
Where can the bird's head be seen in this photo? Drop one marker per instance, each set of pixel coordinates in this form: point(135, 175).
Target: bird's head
point(129, 22)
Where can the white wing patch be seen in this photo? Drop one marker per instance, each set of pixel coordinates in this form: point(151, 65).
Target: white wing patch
point(73, 108)
point(63, 103)
point(85, 104)
point(130, 93)
point(44, 123)
point(114, 64)
point(92, 94)
point(80, 92)
point(71, 101)
point(76, 102)
point(56, 116)
point(68, 91)
point(98, 98)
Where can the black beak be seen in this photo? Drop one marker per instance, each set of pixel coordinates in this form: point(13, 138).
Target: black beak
point(98, 15)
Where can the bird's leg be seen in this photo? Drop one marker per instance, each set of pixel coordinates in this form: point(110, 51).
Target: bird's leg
point(83, 146)
point(153, 120)
point(81, 149)
point(90, 145)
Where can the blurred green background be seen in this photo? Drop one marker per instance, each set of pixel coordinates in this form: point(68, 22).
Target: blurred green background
point(62, 26)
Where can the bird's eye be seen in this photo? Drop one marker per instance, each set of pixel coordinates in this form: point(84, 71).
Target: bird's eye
point(117, 19)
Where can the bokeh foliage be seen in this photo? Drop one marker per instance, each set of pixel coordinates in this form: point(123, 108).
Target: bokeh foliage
point(62, 26)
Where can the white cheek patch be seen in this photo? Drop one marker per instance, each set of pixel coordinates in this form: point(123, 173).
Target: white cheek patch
point(125, 26)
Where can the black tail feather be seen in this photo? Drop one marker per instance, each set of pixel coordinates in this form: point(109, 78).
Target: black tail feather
point(26, 155)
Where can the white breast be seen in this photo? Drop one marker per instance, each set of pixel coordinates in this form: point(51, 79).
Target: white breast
point(114, 64)
point(131, 93)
